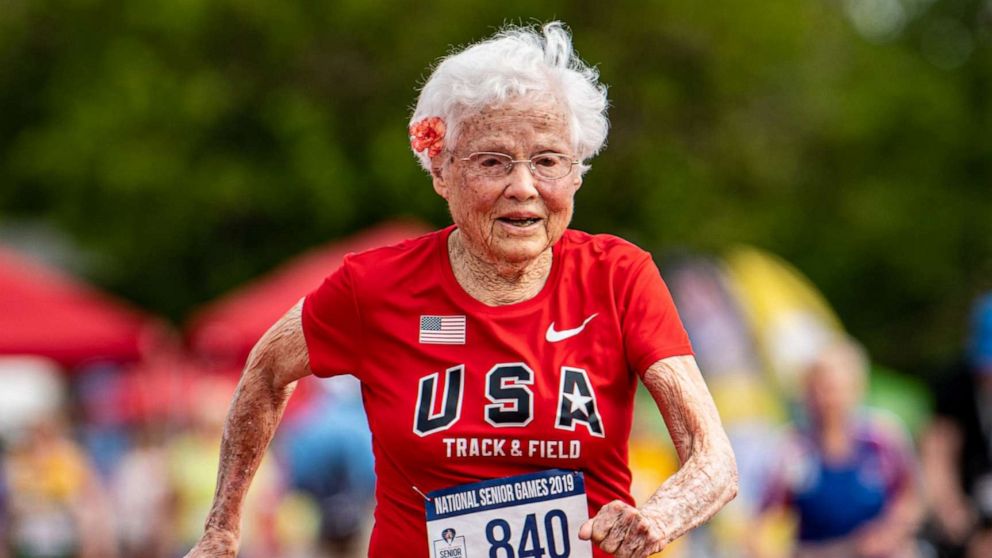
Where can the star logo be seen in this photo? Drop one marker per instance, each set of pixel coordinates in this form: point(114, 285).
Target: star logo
point(578, 401)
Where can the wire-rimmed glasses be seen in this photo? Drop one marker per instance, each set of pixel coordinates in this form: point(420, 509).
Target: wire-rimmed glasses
point(545, 166)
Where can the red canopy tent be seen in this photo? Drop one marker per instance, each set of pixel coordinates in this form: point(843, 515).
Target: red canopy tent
point(46, 313)
point(228, 328)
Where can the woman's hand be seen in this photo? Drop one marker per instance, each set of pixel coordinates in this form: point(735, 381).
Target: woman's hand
point(624, 531)
point(706, 481)
point(215, 544)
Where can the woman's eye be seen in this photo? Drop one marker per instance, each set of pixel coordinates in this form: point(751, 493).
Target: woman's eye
point(489, 162)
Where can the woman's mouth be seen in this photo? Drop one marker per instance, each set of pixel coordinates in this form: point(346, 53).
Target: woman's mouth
point(520, 221)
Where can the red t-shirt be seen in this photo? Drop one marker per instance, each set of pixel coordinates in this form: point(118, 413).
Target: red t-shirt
point(457, 391)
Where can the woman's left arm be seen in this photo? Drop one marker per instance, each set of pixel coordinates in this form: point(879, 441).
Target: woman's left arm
point(706, 481)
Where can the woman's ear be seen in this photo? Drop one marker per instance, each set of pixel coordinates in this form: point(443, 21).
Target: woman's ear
point(440, 184)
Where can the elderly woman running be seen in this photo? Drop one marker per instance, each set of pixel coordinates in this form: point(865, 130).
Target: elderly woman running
point(498, 356)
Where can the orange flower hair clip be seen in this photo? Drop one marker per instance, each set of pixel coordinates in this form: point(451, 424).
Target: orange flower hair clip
point(428, 134)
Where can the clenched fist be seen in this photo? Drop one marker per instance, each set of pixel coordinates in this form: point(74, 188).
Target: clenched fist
point(624, 531)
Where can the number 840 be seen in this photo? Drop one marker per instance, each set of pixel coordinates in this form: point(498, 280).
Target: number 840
point(530, 544)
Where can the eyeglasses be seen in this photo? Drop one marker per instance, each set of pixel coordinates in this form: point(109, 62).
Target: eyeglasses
point(546, 166)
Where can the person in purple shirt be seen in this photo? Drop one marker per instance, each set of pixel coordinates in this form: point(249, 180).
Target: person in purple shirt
point(847, 473)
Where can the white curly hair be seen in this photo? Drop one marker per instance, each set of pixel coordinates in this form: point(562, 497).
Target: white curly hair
point(517, 62)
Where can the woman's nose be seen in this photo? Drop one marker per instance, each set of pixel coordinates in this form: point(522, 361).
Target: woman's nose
point(521, 182)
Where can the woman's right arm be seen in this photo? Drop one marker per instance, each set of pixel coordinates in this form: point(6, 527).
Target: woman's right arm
point(277, 361)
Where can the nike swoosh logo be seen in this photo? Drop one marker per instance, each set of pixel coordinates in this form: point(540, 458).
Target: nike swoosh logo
point(554, 336)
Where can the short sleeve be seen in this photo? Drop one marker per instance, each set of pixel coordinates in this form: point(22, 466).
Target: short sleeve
point(652, 329)
point(790, 465)
point(332, 325)
point(775, 491)
point(897, 459)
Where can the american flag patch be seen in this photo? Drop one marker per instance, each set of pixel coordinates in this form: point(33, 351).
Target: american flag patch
point(442, 330)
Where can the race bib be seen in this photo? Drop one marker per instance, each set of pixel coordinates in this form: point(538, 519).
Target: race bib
point(527, 516)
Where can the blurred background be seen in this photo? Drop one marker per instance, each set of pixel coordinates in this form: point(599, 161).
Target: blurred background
point(175, 175)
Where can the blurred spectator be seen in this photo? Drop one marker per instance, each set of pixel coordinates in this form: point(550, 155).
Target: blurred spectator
point(193, 457)
point(328, 448)
point(57, 506)
point(848, 473)
point(100, 425)
point(957, 448)
point(144, 498)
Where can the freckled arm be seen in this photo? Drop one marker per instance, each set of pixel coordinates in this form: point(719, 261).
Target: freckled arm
point(707, 479)
point(275, 363)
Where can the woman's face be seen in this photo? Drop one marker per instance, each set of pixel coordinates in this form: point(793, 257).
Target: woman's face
point(513, 218)
point(833, 388)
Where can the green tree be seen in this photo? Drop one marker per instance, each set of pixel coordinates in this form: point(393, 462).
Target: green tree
point(194, 144)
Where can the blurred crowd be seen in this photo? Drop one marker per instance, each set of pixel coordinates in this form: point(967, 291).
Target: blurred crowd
point(81, 479)
point(837, 457)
